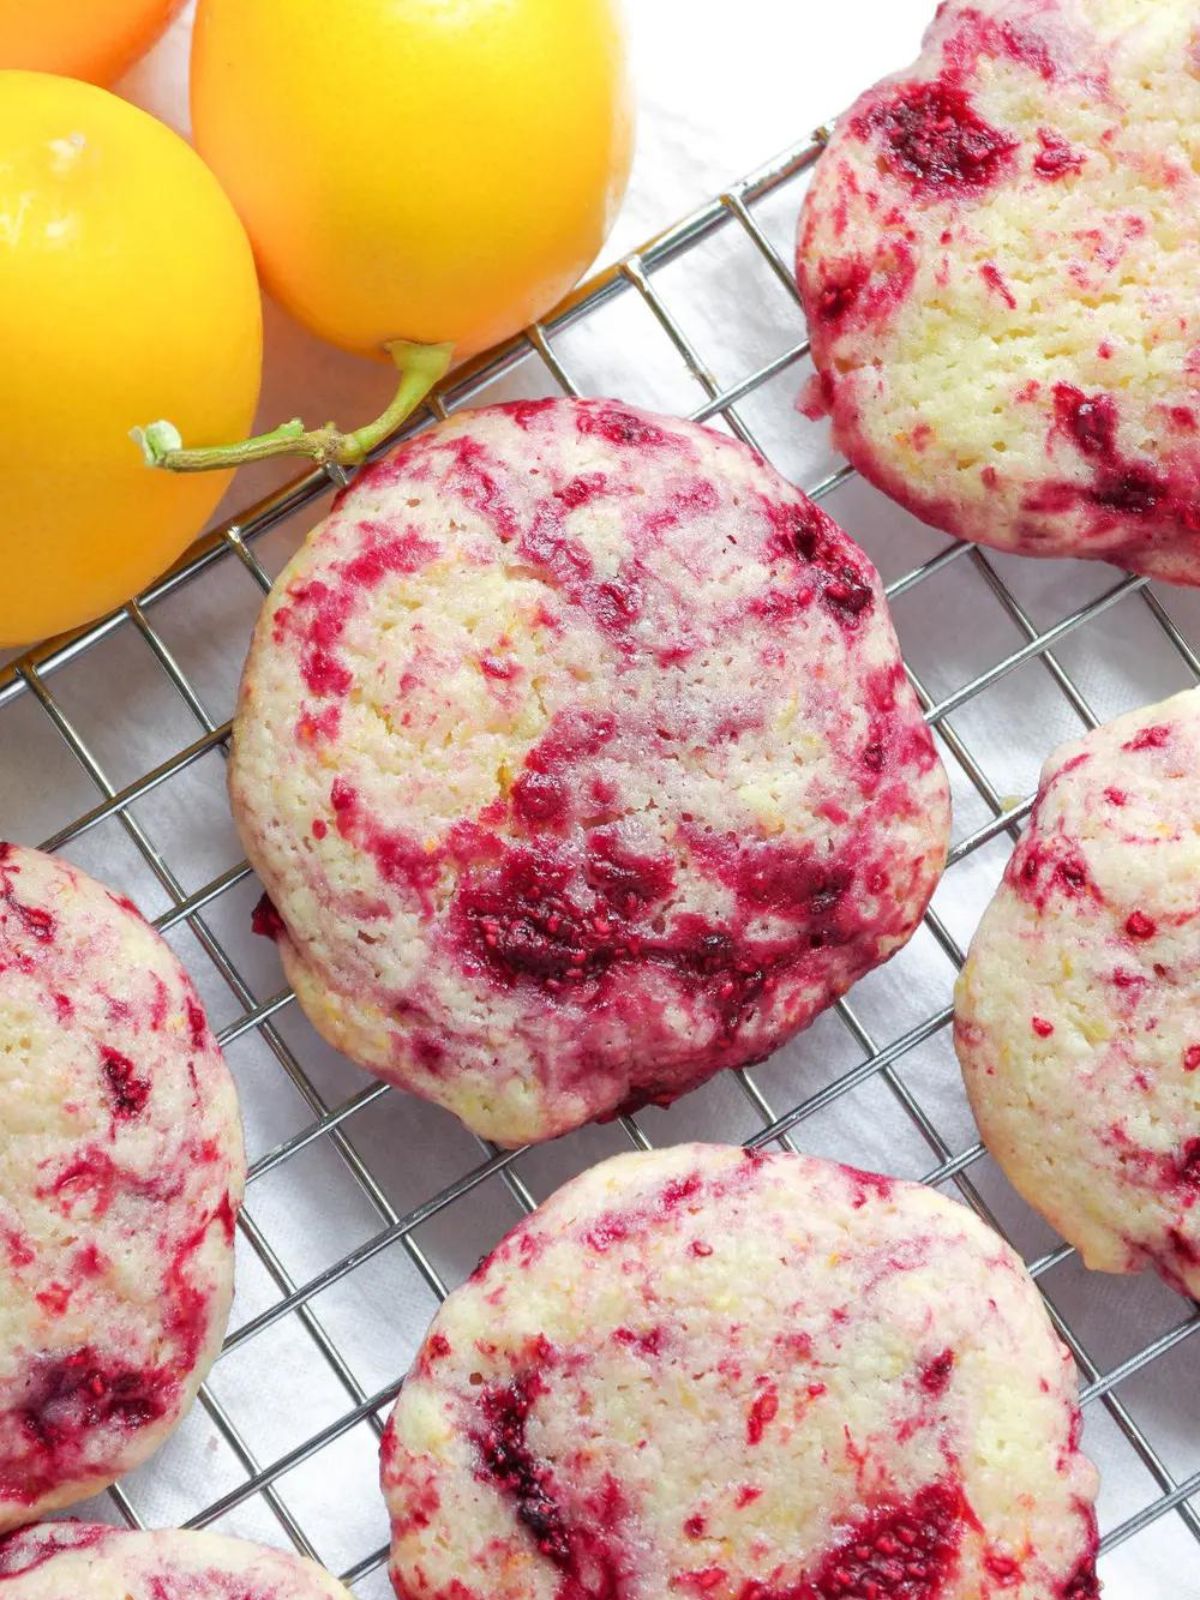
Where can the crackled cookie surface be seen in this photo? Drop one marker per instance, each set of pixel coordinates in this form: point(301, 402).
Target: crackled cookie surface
point(1078, 1012)
point(85, 1561)
point(577, 759)
point(121, 1169)
point(707, 1372)
point(1000, 261)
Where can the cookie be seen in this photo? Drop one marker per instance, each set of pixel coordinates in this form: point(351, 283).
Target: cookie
point(704, 1371)
point(68, 1560)
point(121, 1170)
point(1001, 271)
point(576, 756)
point(1077, 1018)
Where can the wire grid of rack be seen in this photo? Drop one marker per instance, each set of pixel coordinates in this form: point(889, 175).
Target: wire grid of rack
point(284, 1482)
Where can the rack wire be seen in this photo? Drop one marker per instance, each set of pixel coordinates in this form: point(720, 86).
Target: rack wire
point(396, 1172)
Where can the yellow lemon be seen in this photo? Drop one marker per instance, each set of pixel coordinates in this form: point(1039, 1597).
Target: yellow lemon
point(92, 39)
point(430, 170)
point(126, 285)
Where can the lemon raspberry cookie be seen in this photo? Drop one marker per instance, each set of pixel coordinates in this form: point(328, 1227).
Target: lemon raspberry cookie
point(1078, 1012)
point(577, 759)
point(68, 1560)
point(703, 1371)
point(1000, 263)
point(121, 1170)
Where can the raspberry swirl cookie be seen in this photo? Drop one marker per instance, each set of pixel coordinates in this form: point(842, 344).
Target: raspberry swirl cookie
point(81, 1561)
point(752, 1377)
point(1000, 262)
point(577, 759)
point(1078, 1012)
point(121, 1170)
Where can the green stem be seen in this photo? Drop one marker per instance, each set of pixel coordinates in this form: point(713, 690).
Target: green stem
point(421, 367)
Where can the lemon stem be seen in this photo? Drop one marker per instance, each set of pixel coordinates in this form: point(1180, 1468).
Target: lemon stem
point(421, 366)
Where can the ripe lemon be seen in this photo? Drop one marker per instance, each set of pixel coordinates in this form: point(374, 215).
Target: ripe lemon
point(429, 170)
point(126, 285)
point(92, 39)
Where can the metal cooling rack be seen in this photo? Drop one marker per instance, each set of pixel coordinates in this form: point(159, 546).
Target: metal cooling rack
point(359, 1149)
